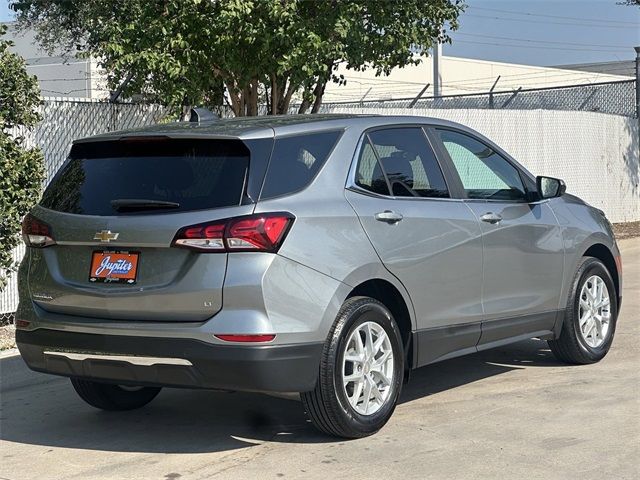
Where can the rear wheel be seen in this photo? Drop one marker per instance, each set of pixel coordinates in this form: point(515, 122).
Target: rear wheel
point(361, 372)
point(107, 396)
point(590, 318)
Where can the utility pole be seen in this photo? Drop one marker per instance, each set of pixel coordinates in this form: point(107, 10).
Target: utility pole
point(437, 74)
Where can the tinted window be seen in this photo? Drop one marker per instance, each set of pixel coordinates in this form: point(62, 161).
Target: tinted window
point(189, 174)
point(409, 162)
point(484, 173)
point(296, 161)
point(369, 174)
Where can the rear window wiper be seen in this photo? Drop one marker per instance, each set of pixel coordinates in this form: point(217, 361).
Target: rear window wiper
point(130, 204)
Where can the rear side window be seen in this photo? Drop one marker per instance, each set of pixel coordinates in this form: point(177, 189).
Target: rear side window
point(406, 159)
point(149, 176)
point(295, 162)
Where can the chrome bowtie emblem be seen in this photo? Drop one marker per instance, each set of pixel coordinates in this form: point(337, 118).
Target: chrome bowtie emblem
point(105, 236)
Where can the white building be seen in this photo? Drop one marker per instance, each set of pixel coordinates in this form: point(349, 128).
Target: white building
point(58, 76)
point(458, 76)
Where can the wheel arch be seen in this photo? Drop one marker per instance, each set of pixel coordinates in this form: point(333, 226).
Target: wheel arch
point(387, 293)
point(606, 256)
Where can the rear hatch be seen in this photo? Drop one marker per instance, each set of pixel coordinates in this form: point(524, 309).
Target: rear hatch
point(113, 211)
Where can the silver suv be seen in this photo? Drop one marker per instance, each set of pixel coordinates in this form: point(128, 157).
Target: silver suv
point(326, 255)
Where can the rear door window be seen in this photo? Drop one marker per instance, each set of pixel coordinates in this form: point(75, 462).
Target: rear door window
point(149, 176)
point(406, 159)
point(369, 174)
point(295, 162)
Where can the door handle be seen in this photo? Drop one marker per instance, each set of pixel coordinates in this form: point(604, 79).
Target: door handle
point(388, 216)
point(491, 217)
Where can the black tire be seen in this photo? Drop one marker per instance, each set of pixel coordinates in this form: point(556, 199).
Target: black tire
point(327, 405)
point(107, 396)
point(571, 346)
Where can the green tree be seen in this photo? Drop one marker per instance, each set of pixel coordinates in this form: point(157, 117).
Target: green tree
point(188, 52)
point(21, 168)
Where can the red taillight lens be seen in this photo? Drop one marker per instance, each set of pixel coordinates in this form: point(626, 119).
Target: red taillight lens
point(204, 237)
point(263, 233)
point(246, 338)
point(253, 233)
point(36, 233)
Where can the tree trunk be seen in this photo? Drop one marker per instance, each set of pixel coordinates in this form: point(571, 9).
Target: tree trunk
point(275, 94)
point(235, 99)
point(252, 98)
point(267, 98)
point(243, 101)
point(286, 100)
point(306, 103)
point(318, 93)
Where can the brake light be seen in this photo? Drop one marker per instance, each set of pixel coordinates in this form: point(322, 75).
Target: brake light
point(246, 338)
point(205, 237)
point(36, 233)
point(253, 233)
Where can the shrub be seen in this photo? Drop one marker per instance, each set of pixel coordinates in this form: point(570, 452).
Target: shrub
point(21, 167)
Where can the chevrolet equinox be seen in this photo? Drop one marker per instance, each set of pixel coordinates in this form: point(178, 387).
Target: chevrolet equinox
point(325, 254)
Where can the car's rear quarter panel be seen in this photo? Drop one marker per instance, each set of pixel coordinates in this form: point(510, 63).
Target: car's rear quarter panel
point(327, 236)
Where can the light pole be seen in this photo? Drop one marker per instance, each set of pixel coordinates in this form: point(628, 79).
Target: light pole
point(437, 78)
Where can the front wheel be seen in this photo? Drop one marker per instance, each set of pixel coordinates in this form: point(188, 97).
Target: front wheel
point(590, 318)
point(361, 371)
point(106, 396)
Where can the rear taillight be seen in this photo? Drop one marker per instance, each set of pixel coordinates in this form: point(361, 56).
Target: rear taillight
point(263, 232)
point(36, 233)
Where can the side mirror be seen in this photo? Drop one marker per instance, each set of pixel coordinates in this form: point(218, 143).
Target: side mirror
point(549, 187)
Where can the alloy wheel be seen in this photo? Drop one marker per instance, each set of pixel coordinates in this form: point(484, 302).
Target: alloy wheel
point(367, 368)
point(594, 311)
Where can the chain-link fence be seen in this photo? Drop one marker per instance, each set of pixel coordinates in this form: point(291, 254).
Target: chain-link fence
point(7, 318)
point(617, 98)
point(65, 120)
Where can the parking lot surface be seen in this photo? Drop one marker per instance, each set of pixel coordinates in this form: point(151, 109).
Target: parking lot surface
point(508, 413)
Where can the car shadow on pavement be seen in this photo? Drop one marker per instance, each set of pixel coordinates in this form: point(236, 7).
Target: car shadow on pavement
point(442, 376)
point(44, 410)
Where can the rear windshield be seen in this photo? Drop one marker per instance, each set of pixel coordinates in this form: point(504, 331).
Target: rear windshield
point(149, 176)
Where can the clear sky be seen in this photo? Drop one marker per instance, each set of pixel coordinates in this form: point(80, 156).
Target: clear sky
point(541, 32)
point(547, 32)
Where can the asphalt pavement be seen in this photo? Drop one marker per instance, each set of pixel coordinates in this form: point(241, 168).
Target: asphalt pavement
point(514, 412)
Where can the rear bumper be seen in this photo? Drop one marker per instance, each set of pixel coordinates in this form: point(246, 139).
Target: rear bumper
point(174, 362)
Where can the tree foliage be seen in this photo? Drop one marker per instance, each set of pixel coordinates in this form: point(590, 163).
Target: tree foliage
point(21, 168)
point(187, 52)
